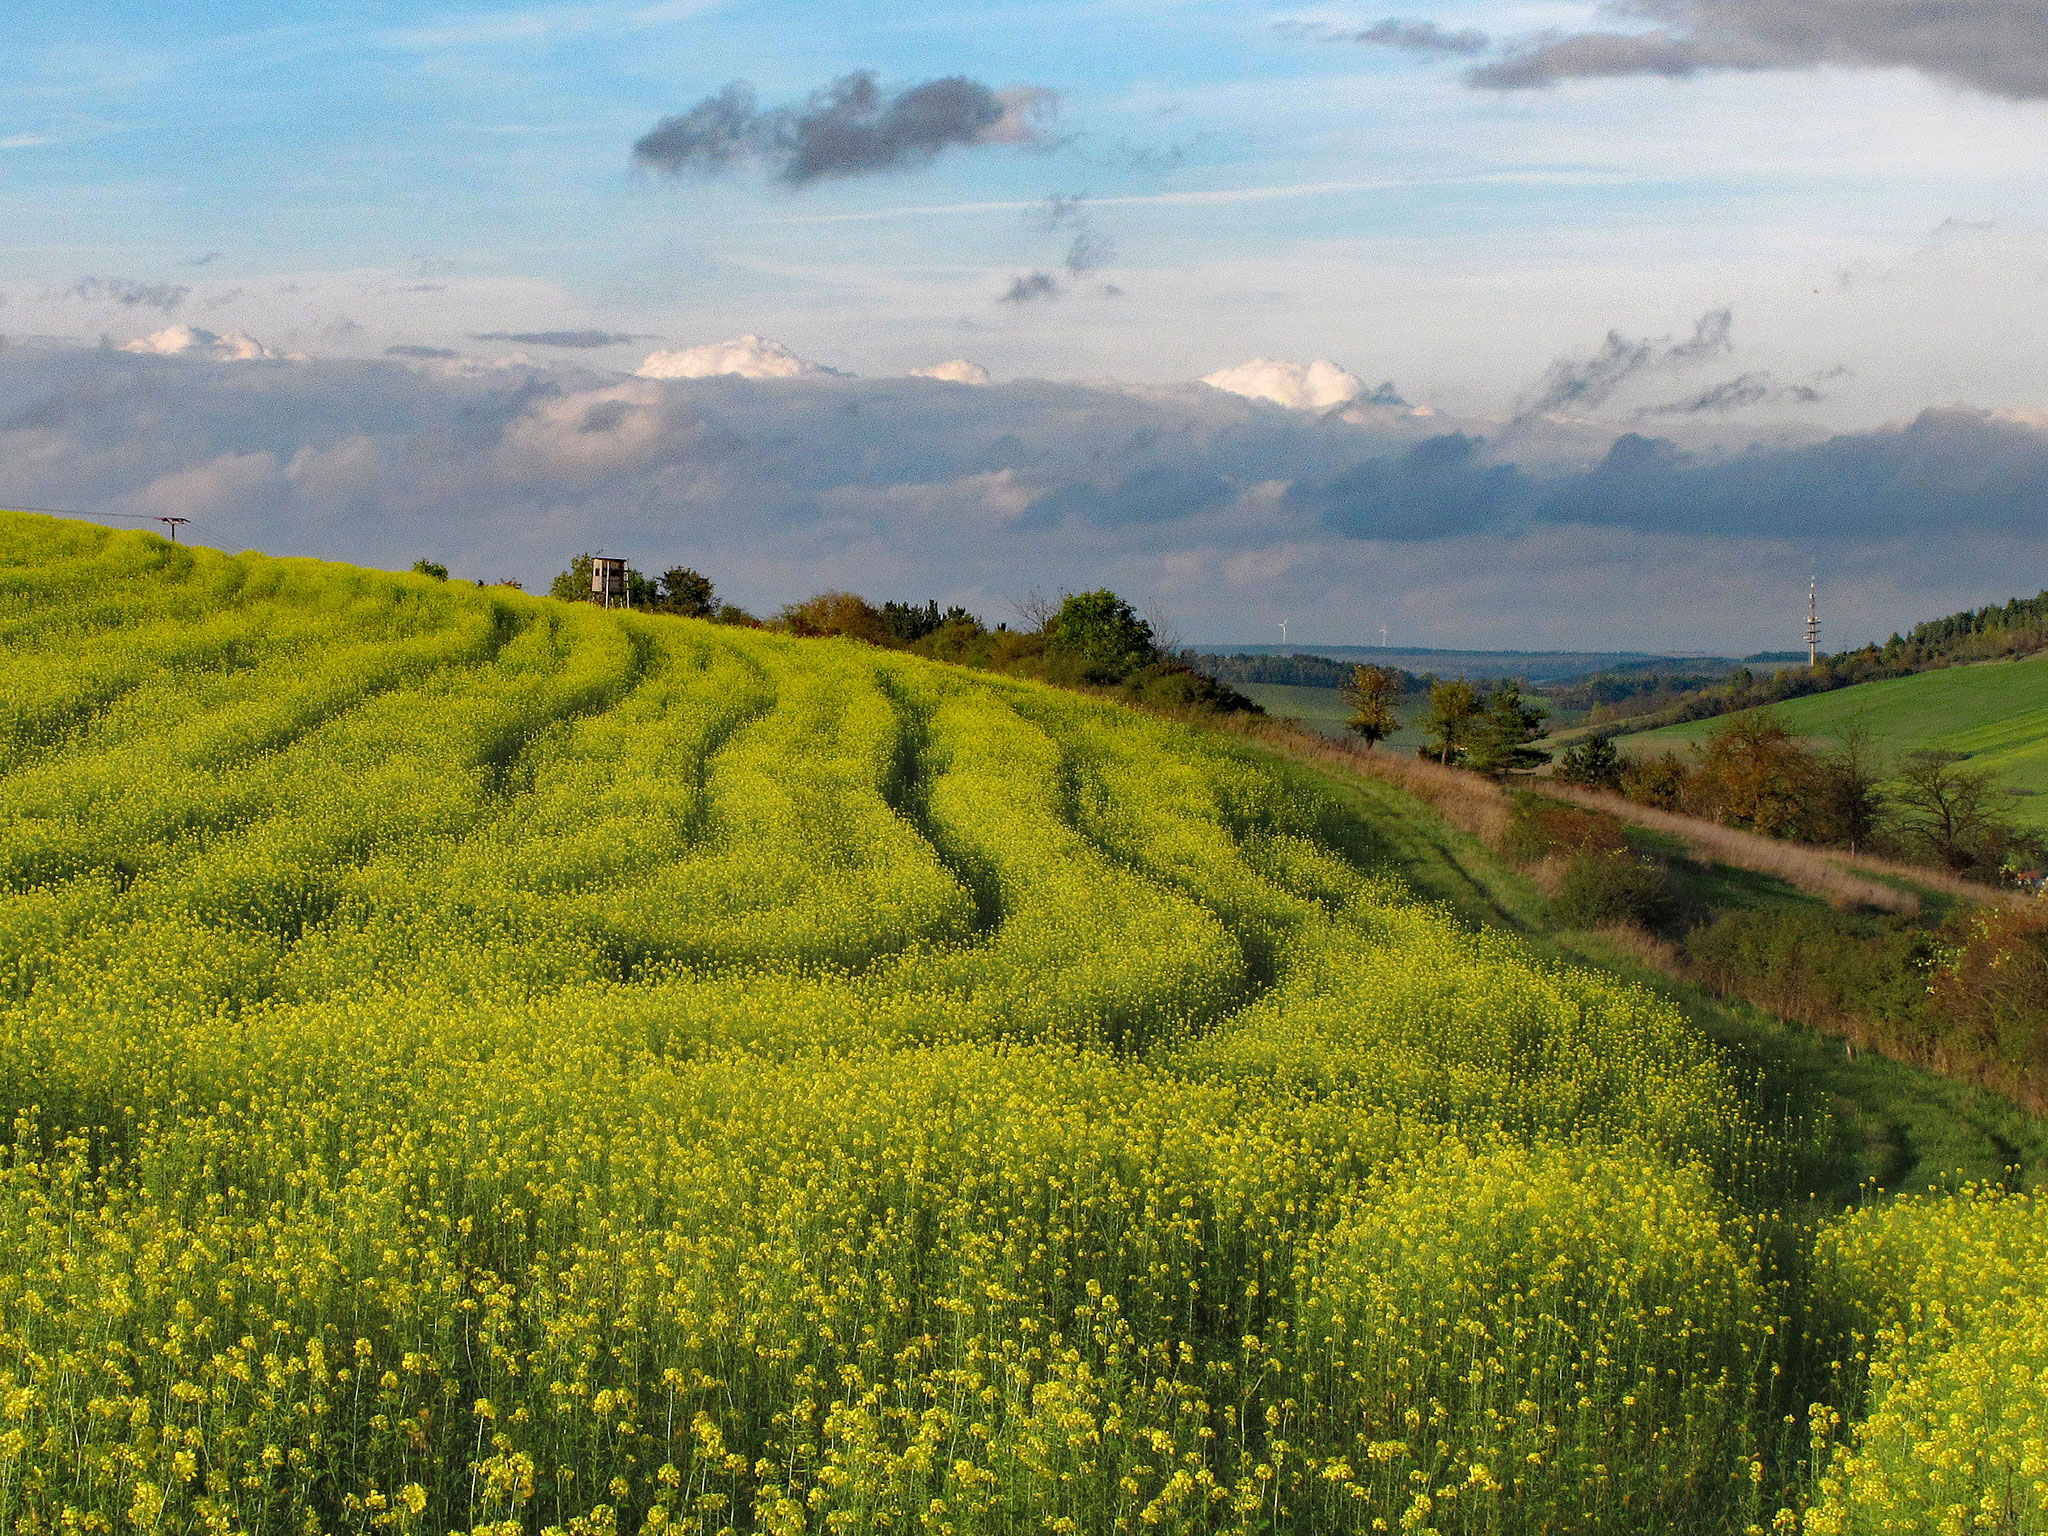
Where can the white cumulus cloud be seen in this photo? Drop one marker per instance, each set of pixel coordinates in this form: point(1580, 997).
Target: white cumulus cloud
point(1312, 386)
point(746, 357)
point(956, 371)
point(191, 341)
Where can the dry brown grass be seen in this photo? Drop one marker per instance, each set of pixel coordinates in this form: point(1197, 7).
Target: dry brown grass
point(1467, 800)
point(1480, 806)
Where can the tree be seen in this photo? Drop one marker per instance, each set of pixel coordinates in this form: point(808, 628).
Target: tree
point(1949, 809)
point(1371, 693)
point(1848, 804)
point(687, 592)
point(1453, 709)
point(431, 568)
point(573, 585)
point(835, 613)
point(1665, 781)
point(1503, 737)
point(1104, 632)
point(1753, 773)
point(1591, 764)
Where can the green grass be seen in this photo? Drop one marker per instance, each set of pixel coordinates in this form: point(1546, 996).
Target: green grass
point(1891, 1125)
point(1324, 711)
point(1995, 711)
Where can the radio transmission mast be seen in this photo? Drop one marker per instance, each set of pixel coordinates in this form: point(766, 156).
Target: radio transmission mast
point(1813, 623)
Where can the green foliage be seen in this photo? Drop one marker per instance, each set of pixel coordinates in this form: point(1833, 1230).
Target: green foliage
point(471, 1061)
point(431, 568)
point(573, 585)
point(1372, 693)
point(1103, 633)
point(1596, 889)
point(686, 592)
point(1452, 718)
point(1502, 735)
point(1592, 763)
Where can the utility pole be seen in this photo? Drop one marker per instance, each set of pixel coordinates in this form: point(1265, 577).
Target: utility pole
point(1813, 624)
point(174, 522)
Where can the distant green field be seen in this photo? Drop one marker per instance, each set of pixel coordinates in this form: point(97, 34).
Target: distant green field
point(1324, 710)
point(1996, 711)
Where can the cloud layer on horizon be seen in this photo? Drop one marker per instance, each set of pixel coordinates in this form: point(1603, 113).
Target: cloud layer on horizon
point(1216, 505)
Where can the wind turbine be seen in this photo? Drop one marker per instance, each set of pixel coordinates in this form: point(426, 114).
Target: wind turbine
point(1283, 631)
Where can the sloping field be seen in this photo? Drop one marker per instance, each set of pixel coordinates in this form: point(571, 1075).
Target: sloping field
point(1996, 711)
point(480, 1063)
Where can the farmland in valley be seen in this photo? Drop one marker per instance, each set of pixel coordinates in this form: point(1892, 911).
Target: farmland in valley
point(1996, 711)
point(472, 1061)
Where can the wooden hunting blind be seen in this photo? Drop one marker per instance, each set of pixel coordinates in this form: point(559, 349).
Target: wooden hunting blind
point(607, 579)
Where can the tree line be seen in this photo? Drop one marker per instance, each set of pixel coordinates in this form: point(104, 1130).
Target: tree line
point(2000, 630)
point(1091, 640)
point(1928, 807)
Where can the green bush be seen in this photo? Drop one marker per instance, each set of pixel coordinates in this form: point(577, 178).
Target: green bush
point(1616, 886)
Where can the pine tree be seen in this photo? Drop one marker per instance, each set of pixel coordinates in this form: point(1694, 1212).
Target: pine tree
point(1506, 727)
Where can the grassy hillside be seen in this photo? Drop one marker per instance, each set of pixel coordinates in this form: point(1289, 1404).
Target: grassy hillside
point(1323, 710)
point(1997, 711)
point(476, 1062)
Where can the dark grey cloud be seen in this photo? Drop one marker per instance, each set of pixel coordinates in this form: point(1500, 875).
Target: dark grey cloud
point(1441, 487)
point(1999, 47)
point(205, 260)
point(1583, 383)
point(779, 489)
point(1738, 394)
point(1030, 287)
point(411, 349)
point(1421, 37)
point(164, 297)
point(852, 127)
point(589, 339)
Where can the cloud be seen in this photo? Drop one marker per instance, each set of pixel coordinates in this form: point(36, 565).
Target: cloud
point(1737, 394)
point(1419, 37)
point(957, 371)
point(191, 341)
point(1583, 383)
point(107, 290)
point(746, 357)
point(1999, 47)
point(850, 128)
point(561, 338)
point(892, 486)
point(423, 354)
point(206, 259)
point(25, 141)
point(1315, 386)
point(1031, 286)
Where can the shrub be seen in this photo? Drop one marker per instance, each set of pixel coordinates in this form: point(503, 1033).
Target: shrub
point(1541, 828)
point(1591, 764)
point(1991, 981)
point(1597, 889)
point(1823, 967)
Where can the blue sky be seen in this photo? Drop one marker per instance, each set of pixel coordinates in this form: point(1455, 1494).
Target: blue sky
point(338, 180)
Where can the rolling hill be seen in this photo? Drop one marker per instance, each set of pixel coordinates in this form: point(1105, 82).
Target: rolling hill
point(1997, 711)
point(477, 1062)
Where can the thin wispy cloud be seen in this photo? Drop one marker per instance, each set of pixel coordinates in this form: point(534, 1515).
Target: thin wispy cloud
point(1583, 383)
point(577, 339)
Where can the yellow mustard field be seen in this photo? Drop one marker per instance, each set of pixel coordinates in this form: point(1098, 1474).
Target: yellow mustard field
point(477, 1063)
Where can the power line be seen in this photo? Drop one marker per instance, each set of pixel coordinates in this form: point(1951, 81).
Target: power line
point(133, 517)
